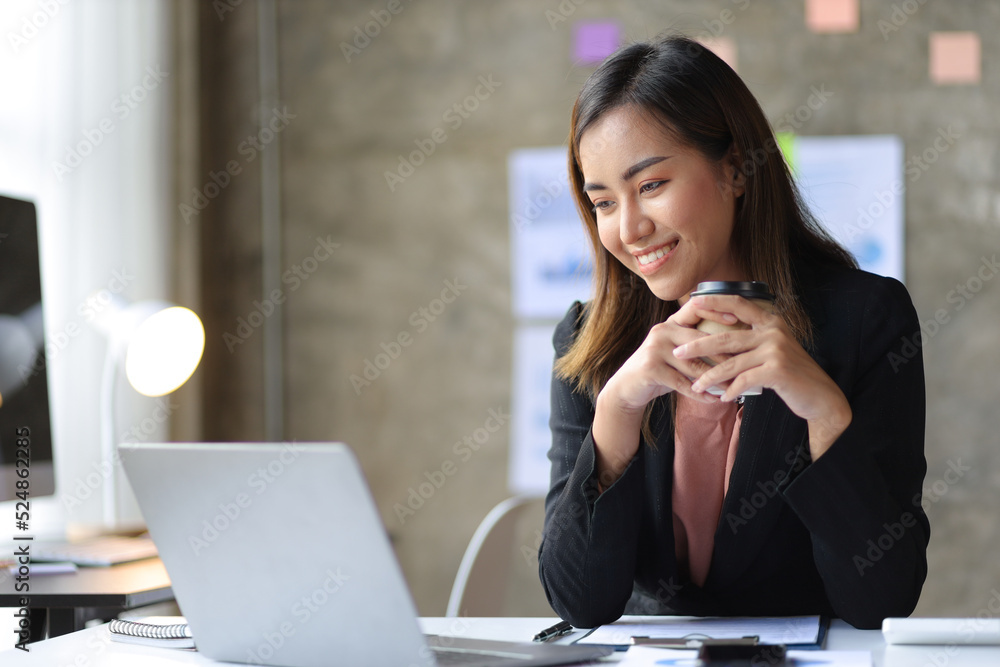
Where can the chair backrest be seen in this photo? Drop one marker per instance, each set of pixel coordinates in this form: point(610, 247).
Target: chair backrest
point(498, 575)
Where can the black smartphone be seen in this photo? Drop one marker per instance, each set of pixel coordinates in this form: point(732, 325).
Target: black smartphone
point(731, 655)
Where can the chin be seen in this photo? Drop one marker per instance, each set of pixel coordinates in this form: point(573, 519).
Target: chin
point(667, 290)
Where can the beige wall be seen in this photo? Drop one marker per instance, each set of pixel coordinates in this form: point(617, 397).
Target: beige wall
point(448, 222)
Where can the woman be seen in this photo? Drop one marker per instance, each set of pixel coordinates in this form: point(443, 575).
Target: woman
point(665, 498)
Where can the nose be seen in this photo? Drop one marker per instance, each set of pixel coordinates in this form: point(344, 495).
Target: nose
point(634, 224)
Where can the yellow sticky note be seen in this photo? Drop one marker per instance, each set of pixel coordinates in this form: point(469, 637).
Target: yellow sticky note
point(724, 47)
point(832, 15)
point(955, 57)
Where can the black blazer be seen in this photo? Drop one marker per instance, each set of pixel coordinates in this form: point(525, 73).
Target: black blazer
point(845, 536)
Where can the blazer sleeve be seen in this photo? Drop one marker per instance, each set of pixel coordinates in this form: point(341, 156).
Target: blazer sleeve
point(861, 500)
point(587, 558)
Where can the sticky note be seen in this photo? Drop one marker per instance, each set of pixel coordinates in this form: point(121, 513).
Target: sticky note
point(955, 57)
point(593, 41)
point(832, 15)
point(724, 47)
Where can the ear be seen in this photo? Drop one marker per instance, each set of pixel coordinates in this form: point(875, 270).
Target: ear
point(733, 173)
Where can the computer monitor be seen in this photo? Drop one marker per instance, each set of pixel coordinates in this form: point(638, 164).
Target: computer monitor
point(24, 385)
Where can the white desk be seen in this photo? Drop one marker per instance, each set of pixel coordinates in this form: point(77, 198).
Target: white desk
point(93, 648)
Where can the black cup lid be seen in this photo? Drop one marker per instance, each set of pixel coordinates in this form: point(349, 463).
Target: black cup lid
point(747, 290)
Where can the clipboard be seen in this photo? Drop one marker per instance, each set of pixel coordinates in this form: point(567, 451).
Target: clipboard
point(664, 630)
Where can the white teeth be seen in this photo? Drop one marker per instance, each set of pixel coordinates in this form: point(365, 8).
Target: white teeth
point(655, 255)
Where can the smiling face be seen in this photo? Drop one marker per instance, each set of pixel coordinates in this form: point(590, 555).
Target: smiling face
point(659, 205)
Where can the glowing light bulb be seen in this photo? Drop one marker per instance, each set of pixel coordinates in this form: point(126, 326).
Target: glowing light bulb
point(164, 351)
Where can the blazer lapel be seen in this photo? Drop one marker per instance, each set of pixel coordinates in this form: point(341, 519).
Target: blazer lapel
point(770, 437)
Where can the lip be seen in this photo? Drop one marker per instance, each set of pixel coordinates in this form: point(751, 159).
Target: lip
point(654, 266)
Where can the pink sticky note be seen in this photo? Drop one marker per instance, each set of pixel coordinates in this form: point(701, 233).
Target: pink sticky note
point(955, 57)
point(593, 41)
point(832, 15)
point(724, 47)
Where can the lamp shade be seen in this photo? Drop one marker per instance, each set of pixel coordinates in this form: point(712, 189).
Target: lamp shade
point(160, 342)
point(164, 350)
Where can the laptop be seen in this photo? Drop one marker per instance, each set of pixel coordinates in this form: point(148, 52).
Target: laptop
point(277, 556)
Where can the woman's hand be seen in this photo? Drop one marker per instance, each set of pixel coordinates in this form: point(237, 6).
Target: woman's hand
point(651, 371)
point(765, 355)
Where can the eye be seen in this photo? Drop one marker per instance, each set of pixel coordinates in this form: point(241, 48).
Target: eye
point(603, 206)
point(649, 187)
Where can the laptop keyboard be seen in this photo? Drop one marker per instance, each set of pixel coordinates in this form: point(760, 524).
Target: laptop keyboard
point(98, 551)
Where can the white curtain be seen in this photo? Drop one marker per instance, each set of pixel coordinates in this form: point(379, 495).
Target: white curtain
point(85, 118)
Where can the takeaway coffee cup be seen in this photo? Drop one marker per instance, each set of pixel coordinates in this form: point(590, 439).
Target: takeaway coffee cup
point(754, 291)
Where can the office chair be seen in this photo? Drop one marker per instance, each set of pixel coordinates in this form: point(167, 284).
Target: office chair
point(498, 575)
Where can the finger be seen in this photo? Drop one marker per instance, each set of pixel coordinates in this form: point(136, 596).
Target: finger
point(694, 367)
point(700, 396)
point(752, 379)
point(717, 390)
point(721, 317)
point(680, 383)
point(729, 373)
point(671, 334)
point(690, 314)
point(744, 310)
point(720, 345)
point(674, 379)
point(667, 337)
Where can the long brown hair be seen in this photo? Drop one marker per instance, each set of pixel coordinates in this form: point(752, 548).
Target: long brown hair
point(703, 104)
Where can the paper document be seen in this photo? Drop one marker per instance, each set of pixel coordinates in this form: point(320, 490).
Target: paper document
point(643, 656)
point(783, 630)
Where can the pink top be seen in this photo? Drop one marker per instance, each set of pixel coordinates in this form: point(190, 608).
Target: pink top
point(706, 437)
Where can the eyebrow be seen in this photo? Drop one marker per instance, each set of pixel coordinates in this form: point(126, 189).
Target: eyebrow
point(630, 172)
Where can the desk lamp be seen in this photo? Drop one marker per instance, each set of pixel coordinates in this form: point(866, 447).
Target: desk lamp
point(161, 344)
